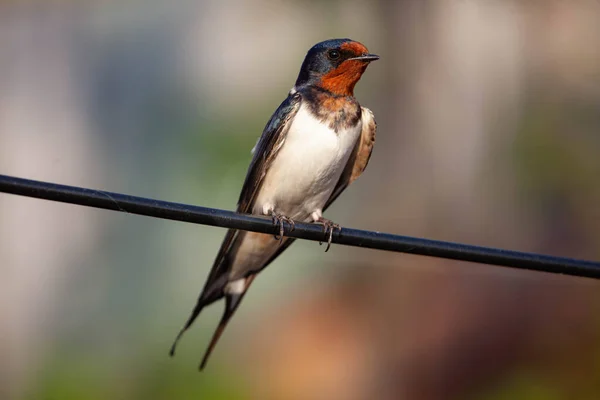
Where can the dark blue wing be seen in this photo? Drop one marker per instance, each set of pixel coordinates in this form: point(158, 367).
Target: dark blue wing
point(264, 153)
point(266, 150)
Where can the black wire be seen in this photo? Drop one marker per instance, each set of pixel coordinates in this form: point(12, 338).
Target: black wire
point(350, 237)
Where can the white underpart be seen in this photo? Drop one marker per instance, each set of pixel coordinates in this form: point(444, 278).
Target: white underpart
point(316, 215)
point(236, 287)
point(297, 185)
point(307, 168)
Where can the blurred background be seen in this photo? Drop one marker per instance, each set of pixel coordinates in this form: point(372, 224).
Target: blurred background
point(489, 134)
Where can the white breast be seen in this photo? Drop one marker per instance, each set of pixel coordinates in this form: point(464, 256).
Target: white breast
point(307, 168)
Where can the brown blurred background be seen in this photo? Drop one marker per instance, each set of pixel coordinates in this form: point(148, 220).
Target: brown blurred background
point(489, 134)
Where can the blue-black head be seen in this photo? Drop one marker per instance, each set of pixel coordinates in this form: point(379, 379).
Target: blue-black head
point(335, 65)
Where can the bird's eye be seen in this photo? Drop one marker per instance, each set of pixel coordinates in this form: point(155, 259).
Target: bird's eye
point(333, 54)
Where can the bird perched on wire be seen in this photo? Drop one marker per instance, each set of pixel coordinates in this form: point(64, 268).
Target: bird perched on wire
point(316, 143)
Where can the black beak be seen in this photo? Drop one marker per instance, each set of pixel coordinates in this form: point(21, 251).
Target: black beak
point(366, 57)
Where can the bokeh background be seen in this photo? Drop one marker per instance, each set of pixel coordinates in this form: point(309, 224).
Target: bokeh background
point(489, 134)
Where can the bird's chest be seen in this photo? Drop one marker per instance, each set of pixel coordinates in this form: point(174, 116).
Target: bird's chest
point(308, 165)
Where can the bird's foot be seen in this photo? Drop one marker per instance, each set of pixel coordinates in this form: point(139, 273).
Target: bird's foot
point(328, 228)
point(278, 220)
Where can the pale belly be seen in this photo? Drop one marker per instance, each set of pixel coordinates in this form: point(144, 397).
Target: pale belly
point(297, 185)
point(306, 170)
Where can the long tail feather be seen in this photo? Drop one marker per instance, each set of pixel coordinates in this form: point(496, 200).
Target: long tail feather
point(213, 291)
point(187, 325)
point(232, 302)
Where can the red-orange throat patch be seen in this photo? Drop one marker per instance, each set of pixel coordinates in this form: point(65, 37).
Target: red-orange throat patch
point(341, 81)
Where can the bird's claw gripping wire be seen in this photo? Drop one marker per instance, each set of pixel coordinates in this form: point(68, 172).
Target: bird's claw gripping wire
point(278, 220)
point(328, 228)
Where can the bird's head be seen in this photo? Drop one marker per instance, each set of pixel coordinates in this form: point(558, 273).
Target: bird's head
point(335, 65)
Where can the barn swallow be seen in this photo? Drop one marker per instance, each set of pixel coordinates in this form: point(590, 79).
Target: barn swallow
point(316, 143)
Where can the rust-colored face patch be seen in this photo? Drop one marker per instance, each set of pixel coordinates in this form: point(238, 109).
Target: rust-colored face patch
point(341, 81)
point(354, 47)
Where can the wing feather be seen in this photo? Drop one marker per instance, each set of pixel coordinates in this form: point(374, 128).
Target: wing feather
point(264, 153)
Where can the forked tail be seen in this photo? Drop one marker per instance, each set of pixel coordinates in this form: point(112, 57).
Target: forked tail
point(232, 302)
